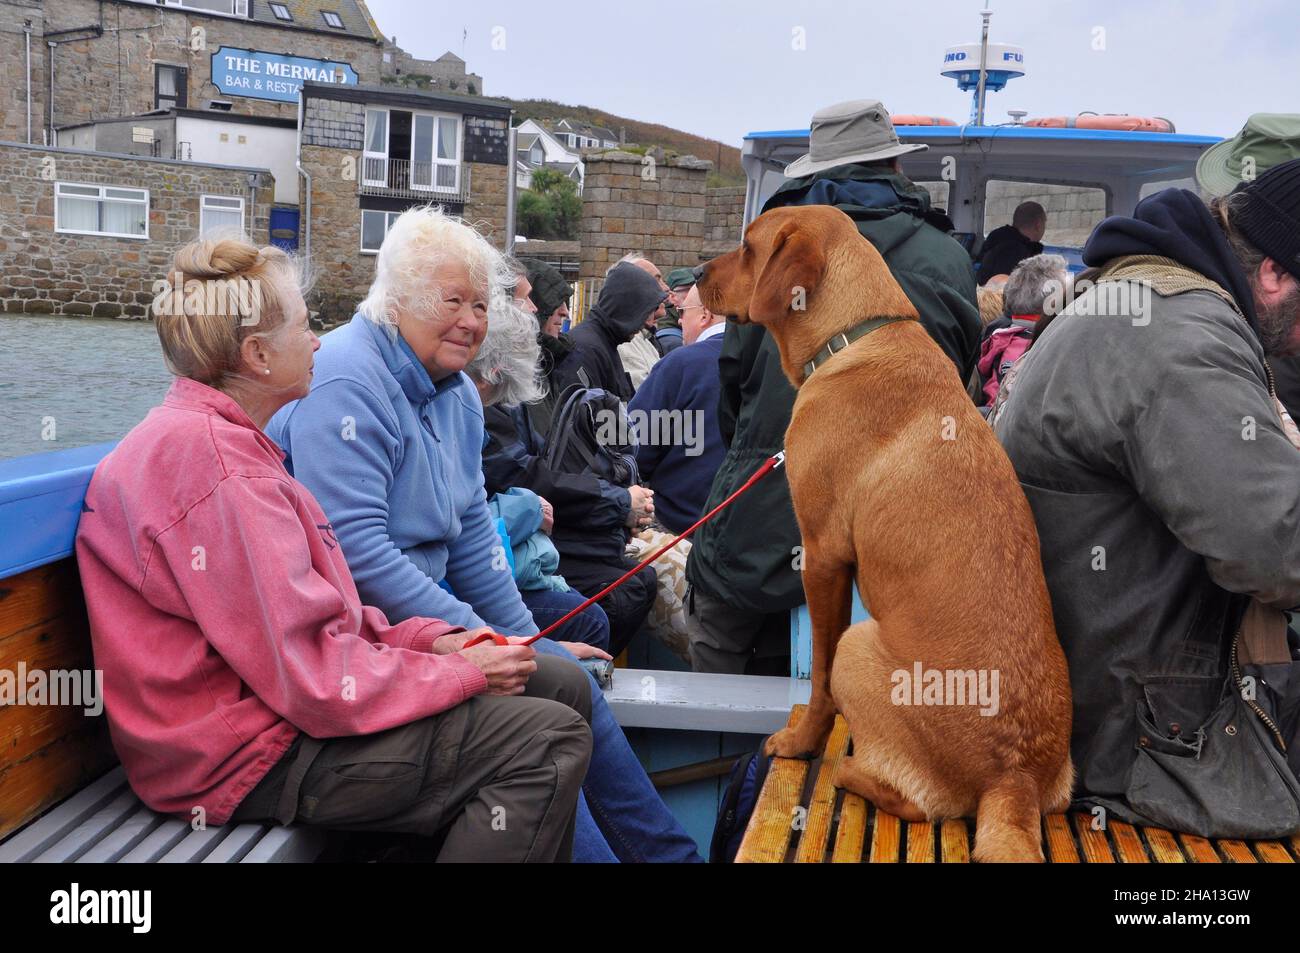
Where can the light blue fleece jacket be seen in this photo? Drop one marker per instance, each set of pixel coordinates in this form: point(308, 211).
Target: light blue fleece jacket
point(396, 464)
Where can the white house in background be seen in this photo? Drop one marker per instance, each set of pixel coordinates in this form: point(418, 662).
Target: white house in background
point(537, 148)
point(583, 135)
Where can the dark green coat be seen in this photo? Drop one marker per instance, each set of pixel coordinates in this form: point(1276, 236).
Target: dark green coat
point(746, 554)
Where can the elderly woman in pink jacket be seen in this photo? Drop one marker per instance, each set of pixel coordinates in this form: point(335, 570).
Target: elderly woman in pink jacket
point(243, 678)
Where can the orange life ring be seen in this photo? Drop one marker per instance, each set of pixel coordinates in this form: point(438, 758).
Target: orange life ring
point(1119, 121)
point(907, 119)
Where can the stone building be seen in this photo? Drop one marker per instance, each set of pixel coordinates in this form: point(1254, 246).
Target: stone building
point(447, 73)
point(88, 234)
point(373, 152)
point(113, 58)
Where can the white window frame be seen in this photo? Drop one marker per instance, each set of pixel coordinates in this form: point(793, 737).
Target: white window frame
point(389, 217)
point(102, 198)
point(275, 11)
point(453, 162)
point(367, 154)
point(326, 14)
point(203, 208)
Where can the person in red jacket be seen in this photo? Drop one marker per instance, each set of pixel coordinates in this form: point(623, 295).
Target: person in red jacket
point(243, 678)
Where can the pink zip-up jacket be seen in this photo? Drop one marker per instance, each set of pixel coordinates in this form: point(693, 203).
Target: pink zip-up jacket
point(223, 615)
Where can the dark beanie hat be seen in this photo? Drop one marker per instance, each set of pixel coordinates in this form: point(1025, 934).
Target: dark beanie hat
point(550, 290)
point(1269, 215)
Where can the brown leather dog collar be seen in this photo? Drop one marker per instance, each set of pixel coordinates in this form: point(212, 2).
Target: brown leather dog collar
point(841, 341)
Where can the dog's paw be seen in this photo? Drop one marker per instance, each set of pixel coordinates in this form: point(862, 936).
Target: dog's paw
point(790, 743)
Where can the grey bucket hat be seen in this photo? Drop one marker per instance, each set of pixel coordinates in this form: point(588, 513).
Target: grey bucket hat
point(855, 131)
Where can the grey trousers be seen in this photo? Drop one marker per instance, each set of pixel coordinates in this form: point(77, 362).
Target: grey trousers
point(728, 640)
point(500, 775)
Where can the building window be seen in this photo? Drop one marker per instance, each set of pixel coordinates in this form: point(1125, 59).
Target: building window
point(332, 19)
point(170, 86)
point(374, 226)
point(101, 210)
point(220, 213)
point(281, 11)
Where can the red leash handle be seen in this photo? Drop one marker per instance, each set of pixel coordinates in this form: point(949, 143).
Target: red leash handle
point(768, 466)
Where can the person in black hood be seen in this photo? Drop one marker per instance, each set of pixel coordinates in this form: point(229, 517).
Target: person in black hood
point(550, 294)
point(628, 298)
point(1164, 477)
point(1011, 244)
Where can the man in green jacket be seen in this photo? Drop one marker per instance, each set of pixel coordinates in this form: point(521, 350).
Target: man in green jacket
point(744, 568)
point(1165, 481)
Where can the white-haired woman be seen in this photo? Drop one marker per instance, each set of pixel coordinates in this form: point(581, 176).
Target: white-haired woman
point(243, 674)
point(389, 440)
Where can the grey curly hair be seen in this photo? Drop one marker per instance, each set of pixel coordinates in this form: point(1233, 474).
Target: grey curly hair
point(506, 362)
point(1035, 281)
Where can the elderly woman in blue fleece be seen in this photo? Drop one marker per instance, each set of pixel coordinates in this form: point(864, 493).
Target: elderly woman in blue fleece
point(389, 441)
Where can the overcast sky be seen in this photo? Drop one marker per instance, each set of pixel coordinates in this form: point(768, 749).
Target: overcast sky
point(720, 68)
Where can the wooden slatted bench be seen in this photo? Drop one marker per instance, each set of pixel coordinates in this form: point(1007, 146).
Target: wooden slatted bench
point(801, 817)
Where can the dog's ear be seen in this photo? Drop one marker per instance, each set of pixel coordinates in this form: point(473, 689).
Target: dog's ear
point(793, 270)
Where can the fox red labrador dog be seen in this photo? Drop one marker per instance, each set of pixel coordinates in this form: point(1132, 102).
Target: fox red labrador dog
point(956, 690)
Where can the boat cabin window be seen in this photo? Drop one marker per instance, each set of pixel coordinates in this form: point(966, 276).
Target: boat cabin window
point(1073, 211)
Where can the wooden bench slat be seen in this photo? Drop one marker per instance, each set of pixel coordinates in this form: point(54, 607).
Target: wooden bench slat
point(1096, 850)
point(953, 842)
point(852, 831)
point(885, 837)
point(1273, 852)
point(1199, 849)
point(90, 831)
point(767, 838)
point(1164, 847)
point(1237, 852)
point(129, 833)
point(821, 807)
point(920, 843)
point(1060, 842)
point(1127, 843)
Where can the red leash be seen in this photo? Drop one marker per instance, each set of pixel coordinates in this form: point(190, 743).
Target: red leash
point(768, 466)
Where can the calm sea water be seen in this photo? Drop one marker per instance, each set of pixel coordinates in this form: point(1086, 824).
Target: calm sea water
point(91, 380)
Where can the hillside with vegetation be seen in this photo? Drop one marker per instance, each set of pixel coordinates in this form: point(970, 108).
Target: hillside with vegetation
point(725, 158)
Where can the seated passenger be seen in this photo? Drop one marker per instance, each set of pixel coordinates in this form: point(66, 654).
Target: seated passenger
point(1165, 482)
point(504, 371)
point(592, 517)
point(390, 441)
point(676, 411)
point(549, 294)
point(668, 329)
point(1011, 244)
point(245, 679)
point(1035, 293)
point(627, 301)
point(643, 351)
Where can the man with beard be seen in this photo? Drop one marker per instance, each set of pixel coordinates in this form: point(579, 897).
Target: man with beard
point(1165, 481)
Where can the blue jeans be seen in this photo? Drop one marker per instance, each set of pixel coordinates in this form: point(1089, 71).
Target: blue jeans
point(620, 815)
point(591, 625)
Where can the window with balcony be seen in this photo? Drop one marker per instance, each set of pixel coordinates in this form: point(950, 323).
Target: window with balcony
point(411, 152)
point(101, 210)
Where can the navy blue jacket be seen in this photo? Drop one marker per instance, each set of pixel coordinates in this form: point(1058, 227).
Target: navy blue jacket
point(686, 380)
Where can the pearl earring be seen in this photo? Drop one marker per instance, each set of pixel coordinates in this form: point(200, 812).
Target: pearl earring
point(266, 370)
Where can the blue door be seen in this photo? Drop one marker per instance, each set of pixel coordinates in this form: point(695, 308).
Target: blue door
point(284, 228)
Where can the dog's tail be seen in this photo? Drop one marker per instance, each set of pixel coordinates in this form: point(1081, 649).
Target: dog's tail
point(1008, 822)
